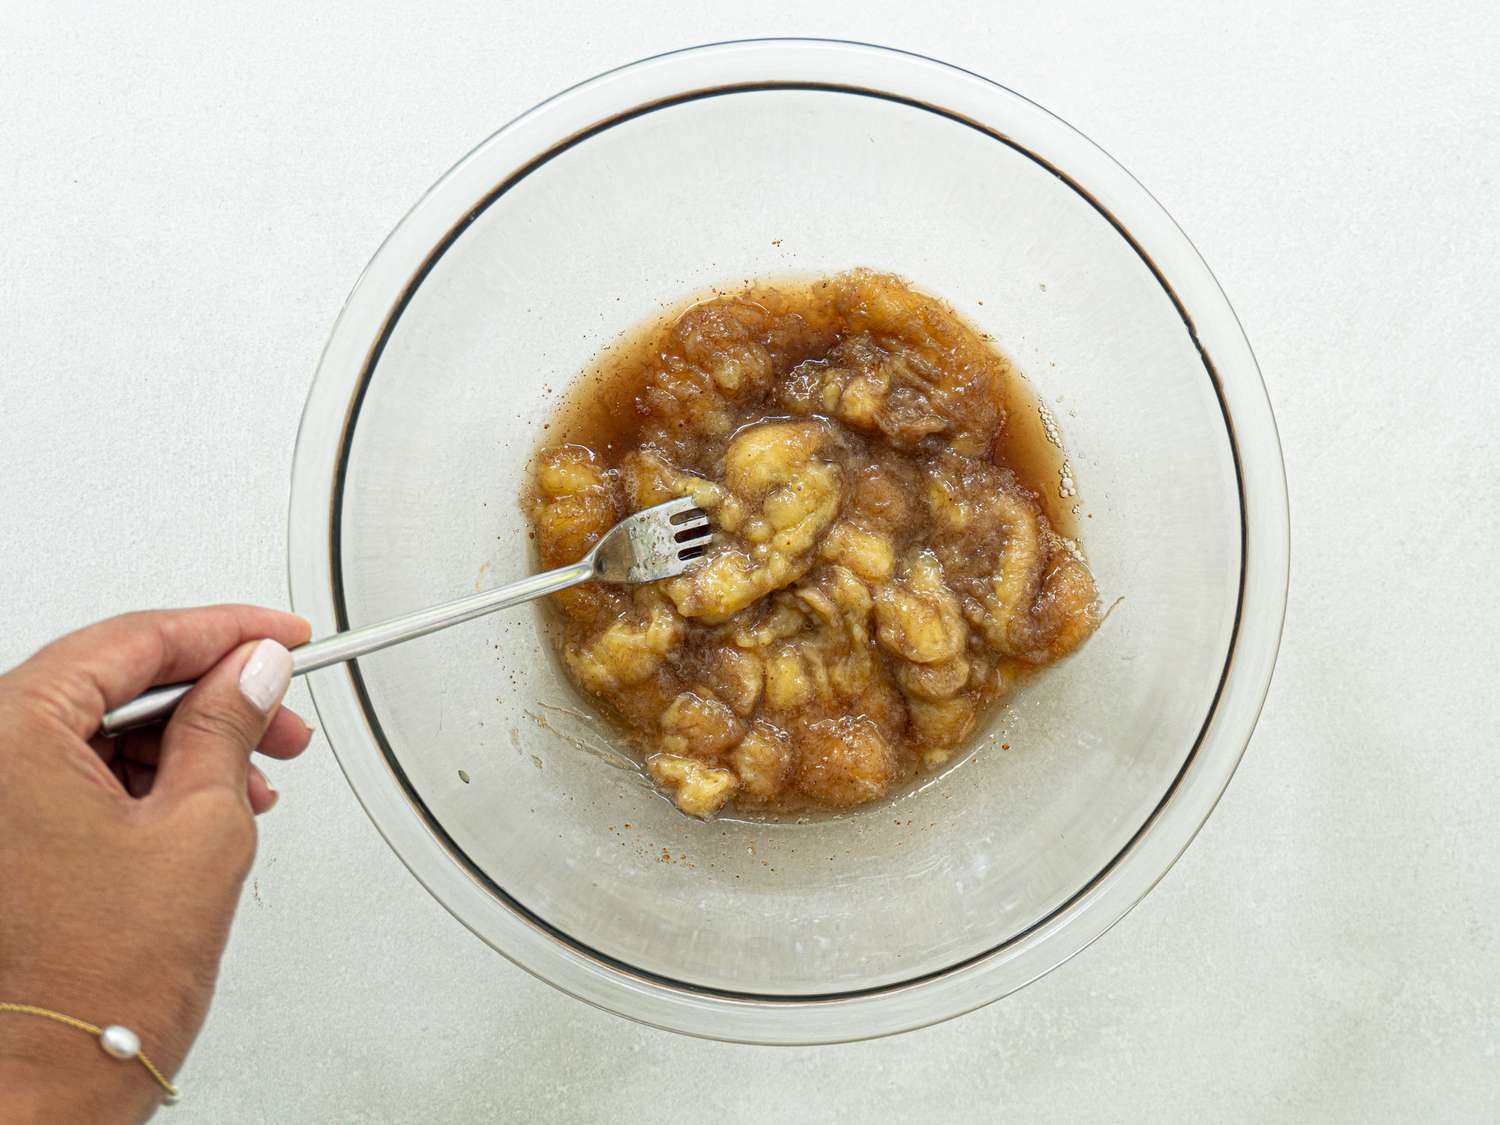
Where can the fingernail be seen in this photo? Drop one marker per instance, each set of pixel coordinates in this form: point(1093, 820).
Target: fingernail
point(272, 796)
point(264, 679)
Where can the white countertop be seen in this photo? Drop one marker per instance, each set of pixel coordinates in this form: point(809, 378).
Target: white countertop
point(188, 191)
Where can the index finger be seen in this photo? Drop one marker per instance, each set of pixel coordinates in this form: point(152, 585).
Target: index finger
point(82, 675)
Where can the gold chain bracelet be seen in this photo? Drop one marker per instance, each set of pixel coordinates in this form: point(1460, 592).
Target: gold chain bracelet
point(118, 1042)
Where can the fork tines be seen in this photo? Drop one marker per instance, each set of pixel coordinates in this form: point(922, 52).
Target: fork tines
point(693, 527)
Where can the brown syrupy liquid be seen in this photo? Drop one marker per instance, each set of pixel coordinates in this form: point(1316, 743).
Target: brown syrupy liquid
point(598, 411)
point(892, 553)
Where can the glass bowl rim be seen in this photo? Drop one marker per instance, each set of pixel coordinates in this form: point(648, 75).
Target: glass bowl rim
point(434, 223)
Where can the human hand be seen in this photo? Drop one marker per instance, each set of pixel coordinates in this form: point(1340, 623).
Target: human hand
point(121, 861)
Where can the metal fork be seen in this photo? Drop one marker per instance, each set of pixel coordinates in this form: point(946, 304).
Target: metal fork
point(653, 544)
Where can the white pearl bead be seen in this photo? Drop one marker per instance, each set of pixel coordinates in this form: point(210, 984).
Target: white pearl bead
point(120, 1042)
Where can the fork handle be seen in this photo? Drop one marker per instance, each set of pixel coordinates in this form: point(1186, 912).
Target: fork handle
point(156, 704)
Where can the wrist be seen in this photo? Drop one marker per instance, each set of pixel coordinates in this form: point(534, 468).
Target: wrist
point(55, 1073)
point(165, 1013)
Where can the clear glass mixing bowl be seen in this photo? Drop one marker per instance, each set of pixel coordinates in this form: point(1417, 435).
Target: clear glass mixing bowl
point(488, 774)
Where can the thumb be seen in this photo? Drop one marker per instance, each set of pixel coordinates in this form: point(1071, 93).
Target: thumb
point(208, 741)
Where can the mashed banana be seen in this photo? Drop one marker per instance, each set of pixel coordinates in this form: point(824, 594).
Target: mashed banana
point(884, 566)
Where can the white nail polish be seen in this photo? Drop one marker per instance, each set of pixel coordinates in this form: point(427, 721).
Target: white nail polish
point(264, 679)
